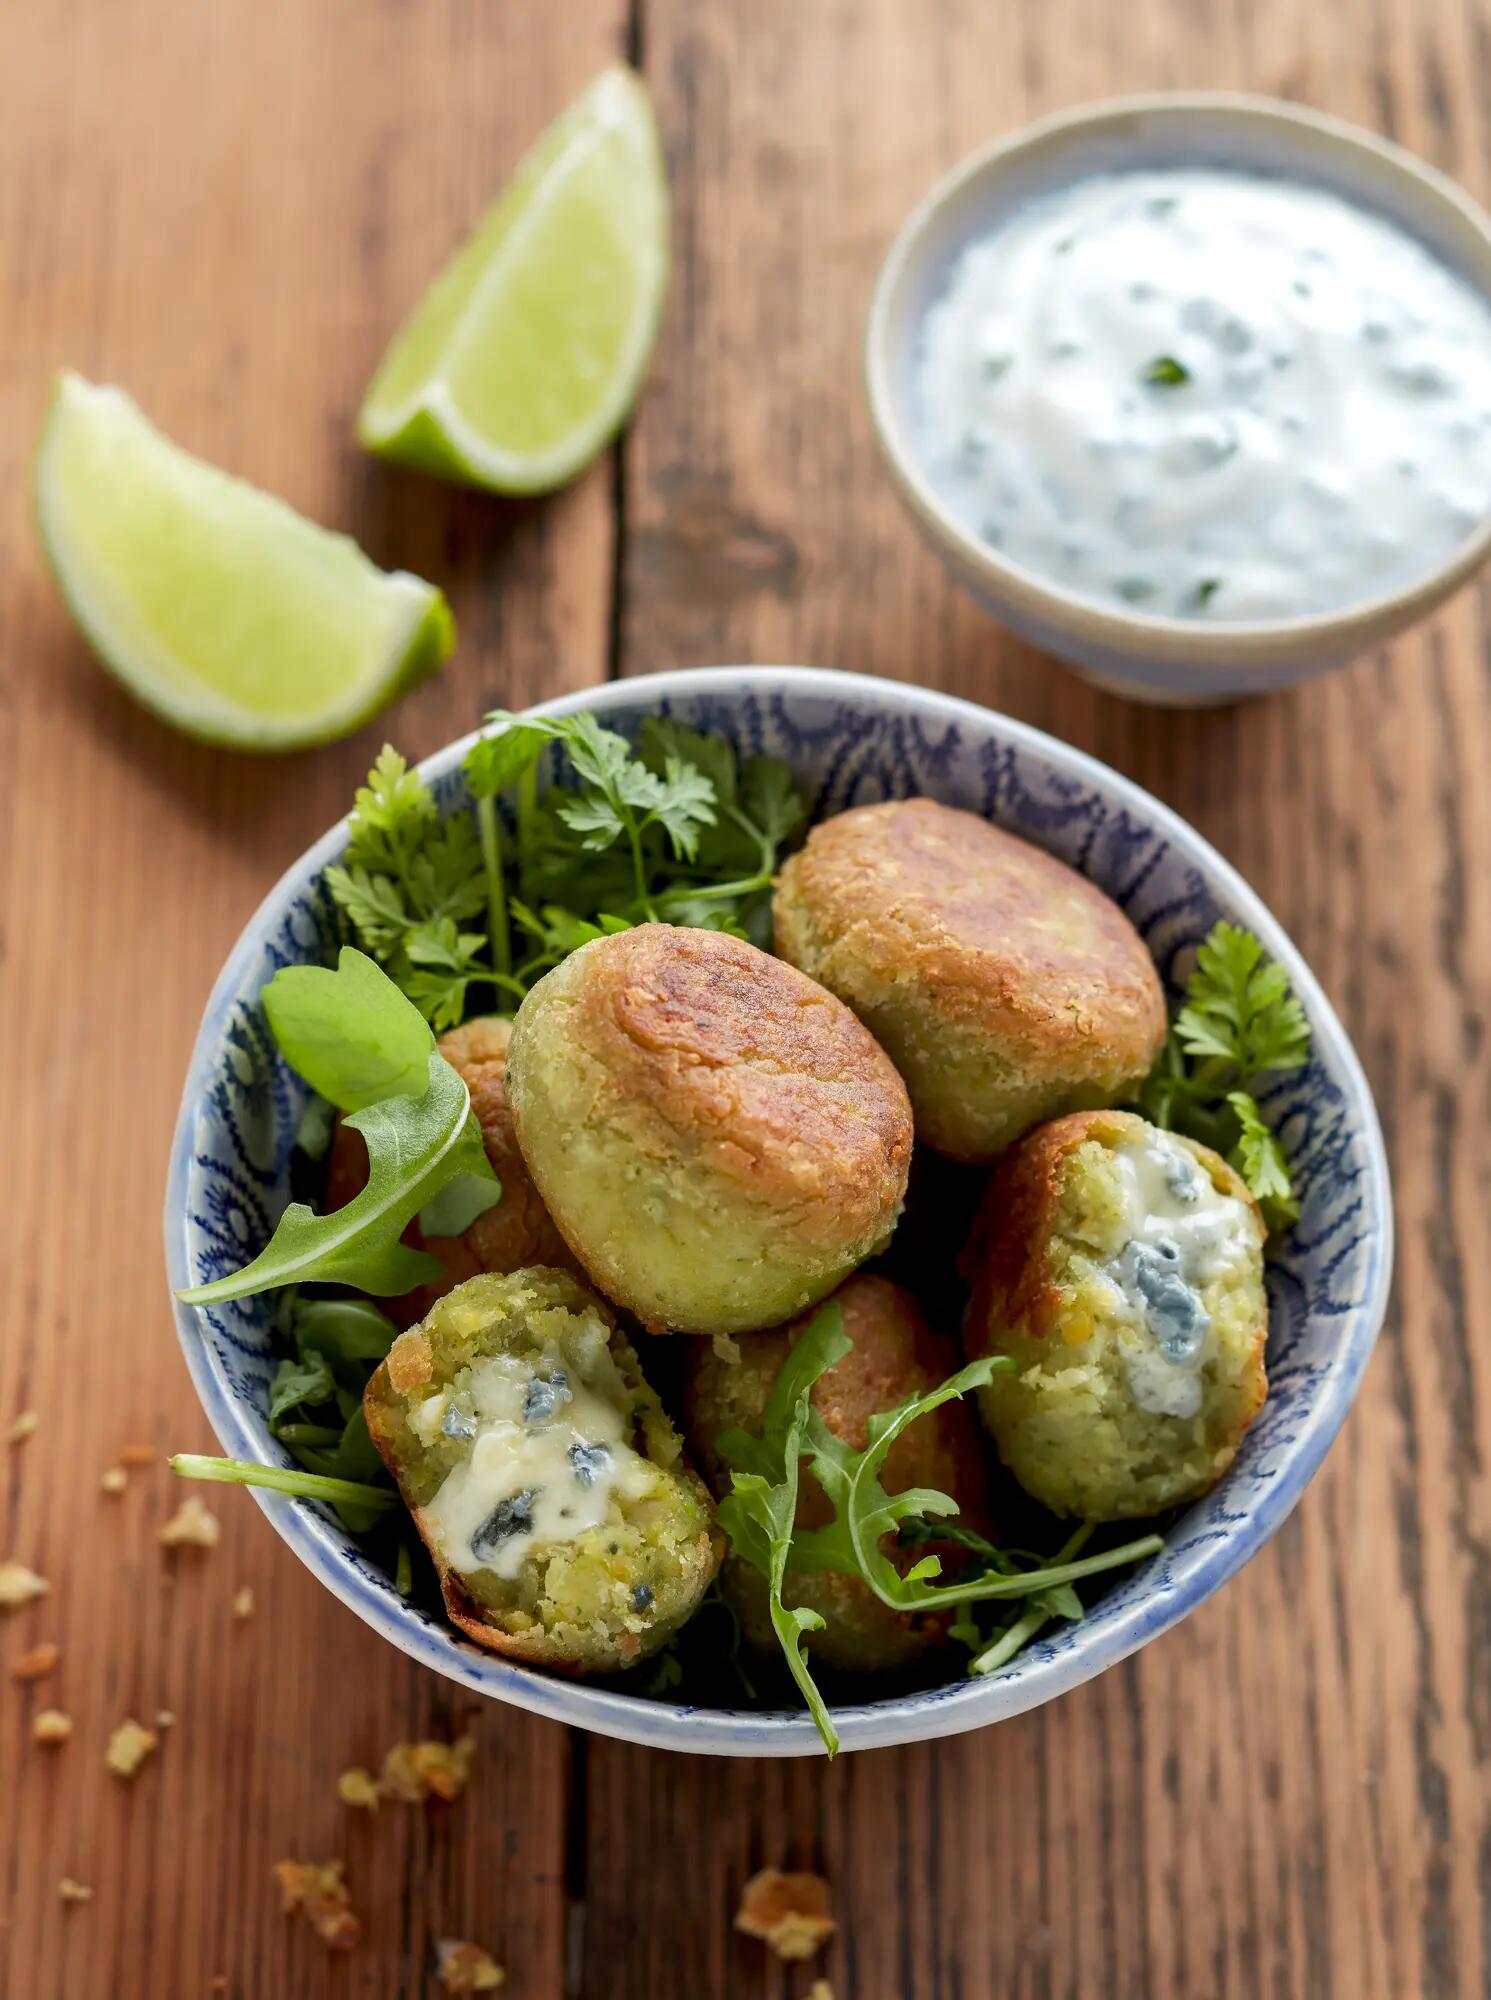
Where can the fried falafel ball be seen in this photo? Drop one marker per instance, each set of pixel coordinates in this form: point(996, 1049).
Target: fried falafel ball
point(895, 1355)
point(1122, 1268)
point(514, 1234)
point(1005, 987)
point(543, 1474)
point(719, 1140)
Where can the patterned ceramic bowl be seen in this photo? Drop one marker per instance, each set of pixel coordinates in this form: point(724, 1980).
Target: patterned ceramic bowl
point(849, 740)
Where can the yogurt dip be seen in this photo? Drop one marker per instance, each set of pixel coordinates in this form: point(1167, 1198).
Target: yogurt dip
point(1202, 393)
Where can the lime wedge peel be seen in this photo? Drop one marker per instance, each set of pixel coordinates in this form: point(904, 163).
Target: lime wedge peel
point(524, 358)
point(217, 605)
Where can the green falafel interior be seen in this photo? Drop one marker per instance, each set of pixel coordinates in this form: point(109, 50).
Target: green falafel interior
point(543, 1474)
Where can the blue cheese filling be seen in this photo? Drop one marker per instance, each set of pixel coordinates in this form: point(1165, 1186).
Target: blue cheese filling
point(549, 1458)
point(1183, 1236)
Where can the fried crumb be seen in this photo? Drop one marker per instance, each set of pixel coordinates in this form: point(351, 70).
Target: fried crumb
point(318, 1889)
point(114, 1479)
point(243, 1602)
point(413, 1772)
point(359, 1788)
point(22, 1427)
point(466, 1968)
point(410, 1362)
point(137, 1456)
point(820, 1990)
point(726, 1349)
point(36, 1662)
point(165, 1718)
point(129, 1746)
point(74, 1892)
point(51, 1726)
point(19, 1585)
point(191, 1526)
point(789, 1912)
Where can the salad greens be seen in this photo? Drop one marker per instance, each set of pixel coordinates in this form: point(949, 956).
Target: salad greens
point(1240, 1024)
point(758, 1516)
point(415, 1146)
point(350, 1033)
point(677, 831)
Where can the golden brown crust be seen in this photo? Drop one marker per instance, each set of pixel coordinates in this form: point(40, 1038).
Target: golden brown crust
point(921, 908)
point(515, 1234)
point(709, 1053)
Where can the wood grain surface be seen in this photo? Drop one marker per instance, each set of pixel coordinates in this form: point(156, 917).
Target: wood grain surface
point(225, 208)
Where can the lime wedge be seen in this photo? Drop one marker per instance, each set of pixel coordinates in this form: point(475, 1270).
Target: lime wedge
point(524, 357)
point(217, 605)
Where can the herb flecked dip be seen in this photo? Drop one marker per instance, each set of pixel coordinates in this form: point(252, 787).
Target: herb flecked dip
point(1202, 393)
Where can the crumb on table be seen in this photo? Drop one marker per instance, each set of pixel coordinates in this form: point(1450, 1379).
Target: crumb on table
point(191, 1526)
point(137, 1456)
point(129, 1746)
point(358, 1787)
point(36, 1662)
point(413, 1772)
point(788, 1911)
point(317, 1888)
point(22, 1427)
point(114, 1479)
point(466, 1968)
point(51, 1726)
point(74, 1892)
point(19, 1586)
point(243, 1602)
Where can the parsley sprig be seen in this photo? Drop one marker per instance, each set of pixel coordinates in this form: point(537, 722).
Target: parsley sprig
point(677, 830)
point(759, 1516)
point(1241, 1024)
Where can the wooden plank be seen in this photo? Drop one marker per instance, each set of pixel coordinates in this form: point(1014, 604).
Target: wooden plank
point(1288, 1795)
point(226, 209)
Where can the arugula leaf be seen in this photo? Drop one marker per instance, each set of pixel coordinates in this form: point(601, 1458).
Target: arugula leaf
point(298, 1385)
point(458, 1204)
point(1240, 1022)
point(350, 1033)
point(759, 1513)
point(346, 1333)
point(284, 1479)
point(415, 1145)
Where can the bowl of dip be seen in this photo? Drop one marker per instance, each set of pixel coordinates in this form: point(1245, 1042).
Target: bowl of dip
point(1193, 390)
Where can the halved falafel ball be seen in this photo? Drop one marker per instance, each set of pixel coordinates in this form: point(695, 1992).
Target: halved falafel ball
point(1122, 1268)
point(513, 1235)
point(895, 1355)
point(543, 1474)
point(1005, 987)
point(719, 1140)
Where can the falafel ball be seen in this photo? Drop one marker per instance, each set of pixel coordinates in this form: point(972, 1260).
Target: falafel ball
point(1122, 1268)
point(514, 1234)
point(543, 1474)
point(895, 1355)
point(718, 1139)
point(1005, 987)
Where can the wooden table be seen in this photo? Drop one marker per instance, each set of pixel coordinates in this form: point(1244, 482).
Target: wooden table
point(226, 207)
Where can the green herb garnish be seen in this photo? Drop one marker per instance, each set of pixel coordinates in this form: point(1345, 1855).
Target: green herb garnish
point(676, 831)
point(1241, 1023)
point(360, 1042)
point(1165, 372)
point(758, 1514)
point(285, 1479)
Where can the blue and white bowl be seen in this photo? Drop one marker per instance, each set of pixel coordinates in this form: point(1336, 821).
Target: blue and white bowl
point(850, 740)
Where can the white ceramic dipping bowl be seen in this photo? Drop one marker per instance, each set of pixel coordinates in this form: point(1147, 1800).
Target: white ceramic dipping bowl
point(1169, 660)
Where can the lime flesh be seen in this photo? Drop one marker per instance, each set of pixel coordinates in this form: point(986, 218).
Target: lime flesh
point(215, 604)
point(524, 357)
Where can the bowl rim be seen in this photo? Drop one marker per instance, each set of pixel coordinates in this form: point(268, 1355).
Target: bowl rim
point(948, 1708)
point(1231, 643)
